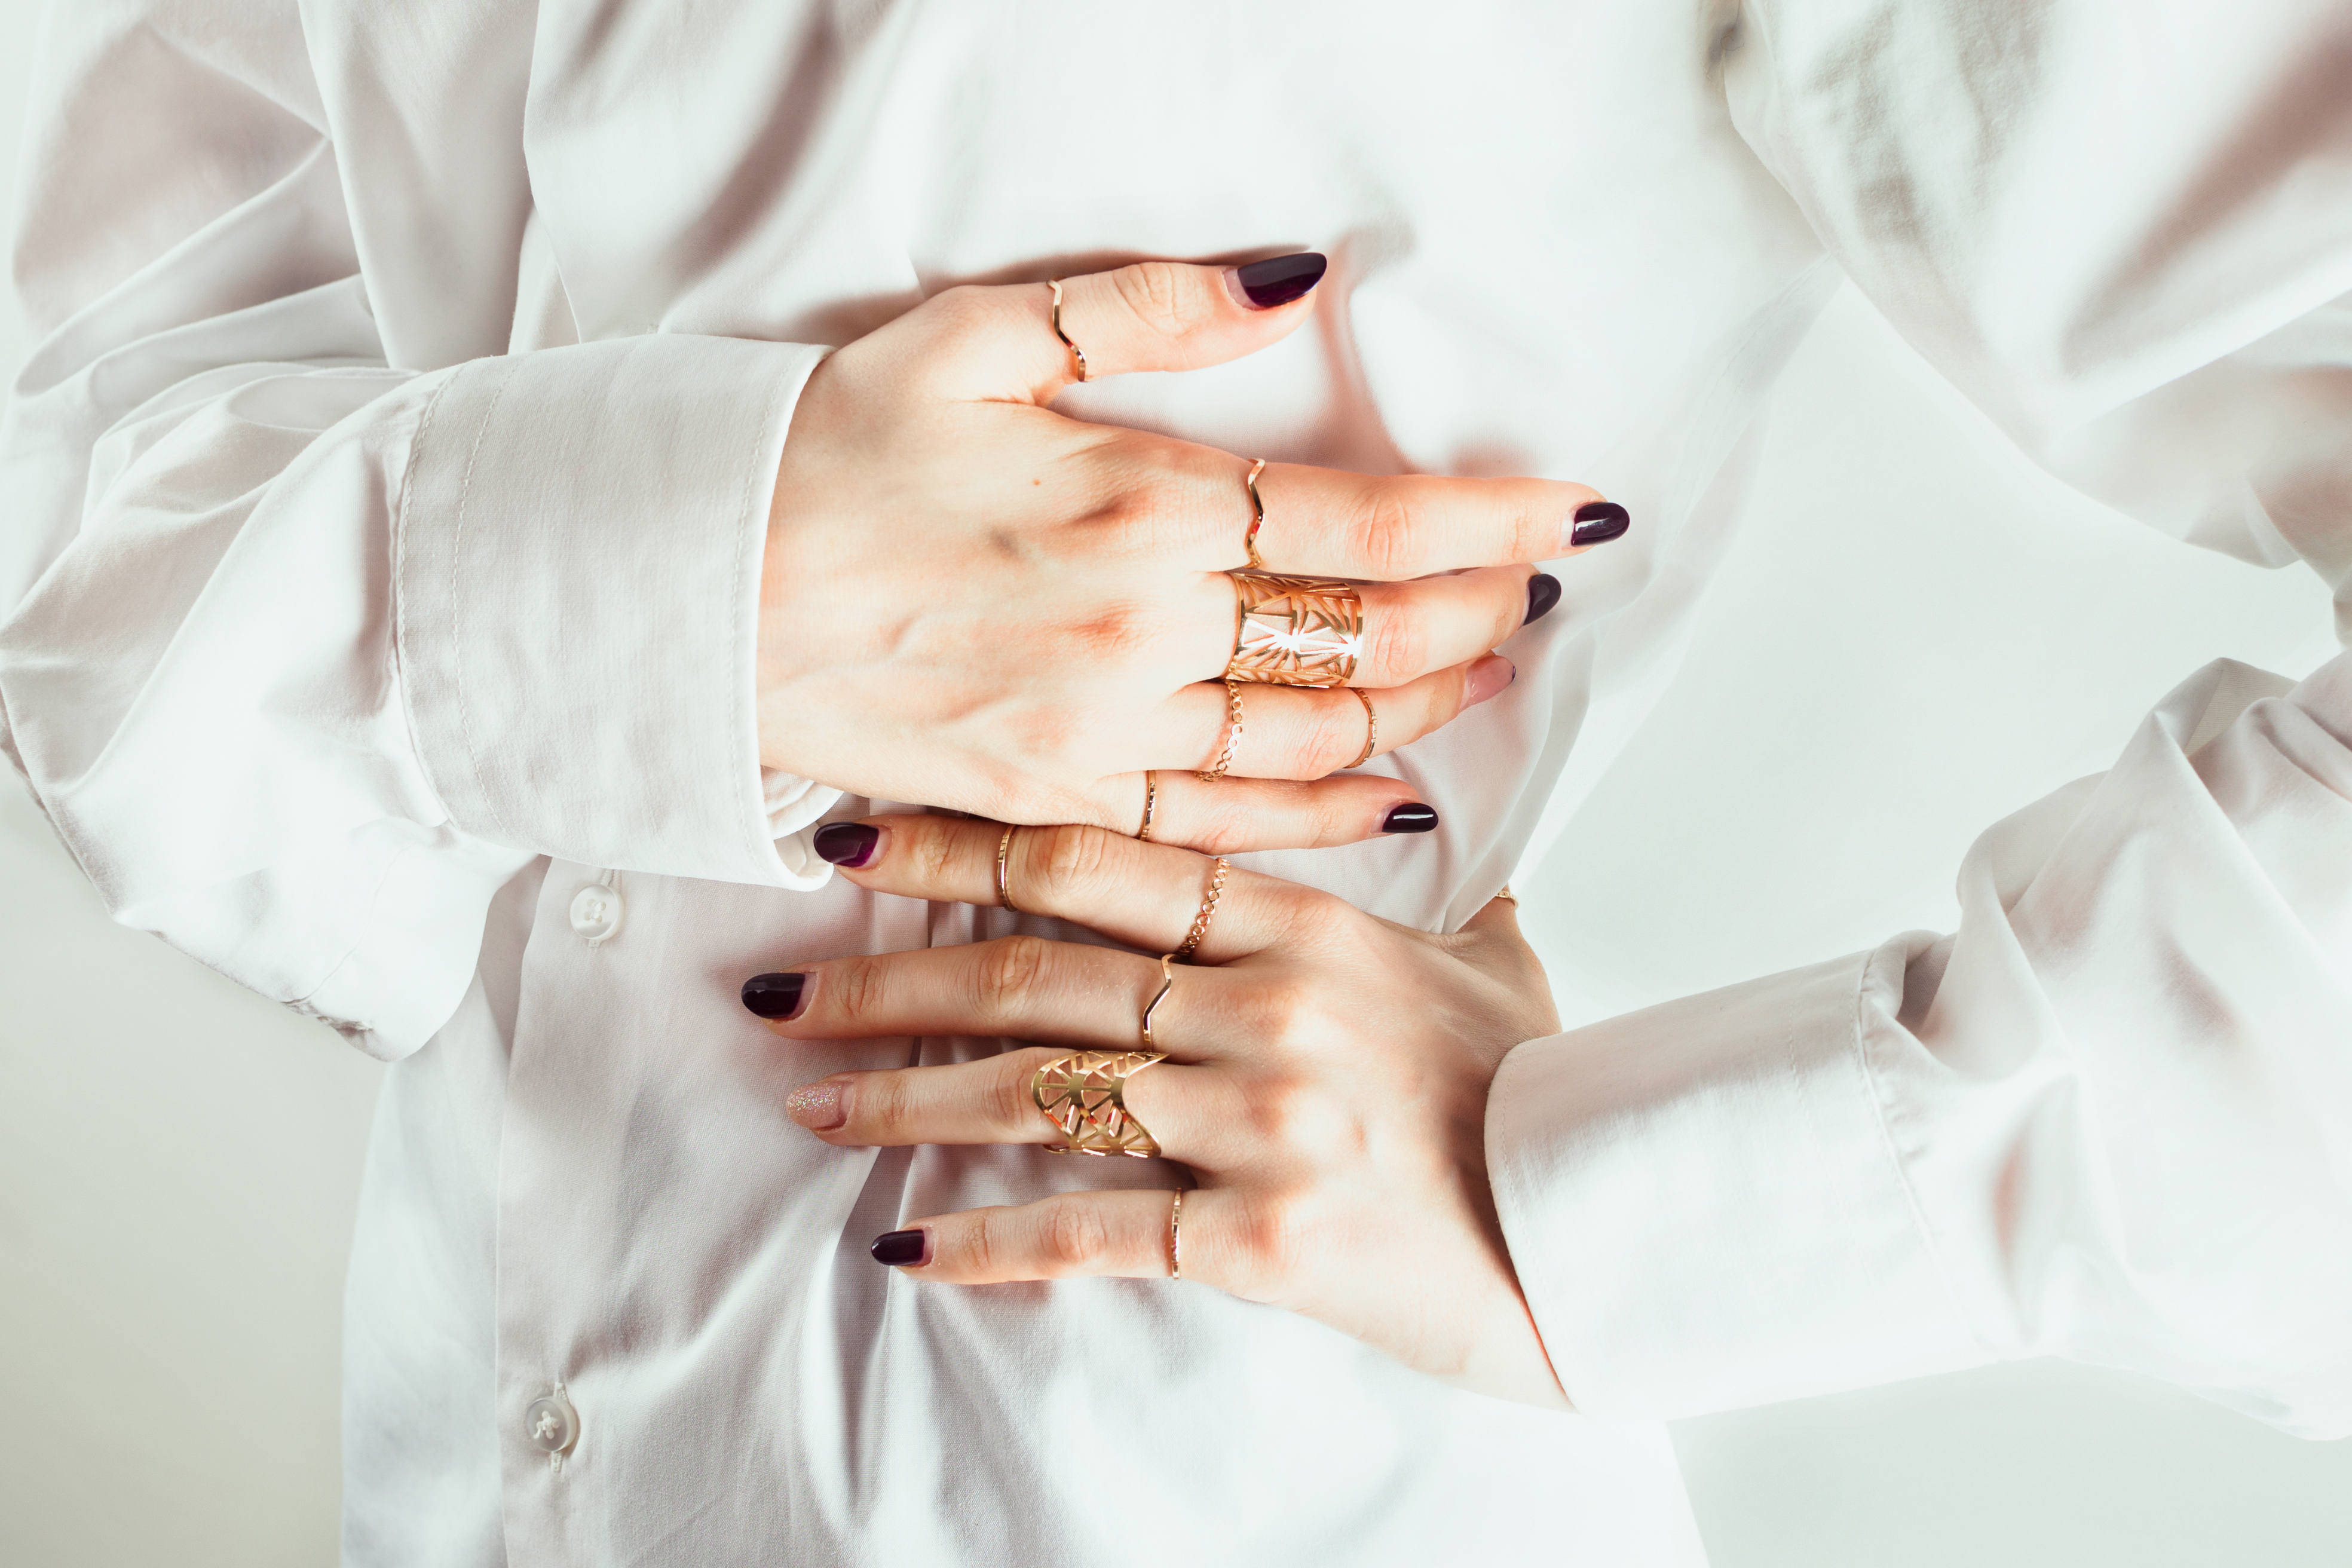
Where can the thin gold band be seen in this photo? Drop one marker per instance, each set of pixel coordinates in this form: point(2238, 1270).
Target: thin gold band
point(1176, 1236)
point(1150, 805)
point(1004, 850)
point(1372, 727)
point(1076, 352)
point(1208, 911)
point(1258, 516)
point(1216, 770)
point(1167, 983)
point(1508, 896)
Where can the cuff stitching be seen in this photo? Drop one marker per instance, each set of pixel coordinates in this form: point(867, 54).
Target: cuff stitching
point(747, 719)
point(1871, 1095)
point(457, 612)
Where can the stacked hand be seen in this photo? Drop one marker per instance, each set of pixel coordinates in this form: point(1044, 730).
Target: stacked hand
point(1326, 1078)
point(973, 602)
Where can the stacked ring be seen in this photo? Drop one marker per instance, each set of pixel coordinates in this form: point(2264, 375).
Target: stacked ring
point(1258, 516)
point(1208, 911)
point(1085, 1095)
point(1372, 727)
point(1150, 805)
point(1295, 631)
point(1004, 852)
point(1216, 770)
point(1077, 353)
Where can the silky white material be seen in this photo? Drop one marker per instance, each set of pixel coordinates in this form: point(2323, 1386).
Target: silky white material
point(358, 619)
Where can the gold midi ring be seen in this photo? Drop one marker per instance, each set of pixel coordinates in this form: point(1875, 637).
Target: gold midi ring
point(1076, 352)
point(1085, 1095)
point(1295, 631)
point(1372, 727)
point(1150, 805)
point(1207, 912)
point(1508, 896)
point(1003, 851)
point(1176, 1236)
point(1258, 516)
point(1216, 770)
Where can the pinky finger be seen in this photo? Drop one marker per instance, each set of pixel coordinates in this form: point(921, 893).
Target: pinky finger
point(1124, 1235)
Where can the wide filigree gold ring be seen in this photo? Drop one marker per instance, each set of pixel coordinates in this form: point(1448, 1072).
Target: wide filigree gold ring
point(1085, 1095)
point(1295, 631)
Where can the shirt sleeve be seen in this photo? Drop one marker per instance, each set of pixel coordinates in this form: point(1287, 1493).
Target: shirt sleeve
point(2110, 1118)
point(305, 652)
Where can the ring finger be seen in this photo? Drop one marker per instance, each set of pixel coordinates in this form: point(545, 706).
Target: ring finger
point(992, 1101)
point(1303, 732)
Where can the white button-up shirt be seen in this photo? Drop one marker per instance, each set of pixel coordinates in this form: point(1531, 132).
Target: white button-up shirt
point(386, 497)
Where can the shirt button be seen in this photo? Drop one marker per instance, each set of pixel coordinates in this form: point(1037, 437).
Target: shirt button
point(596, 911)
point(551, 1425)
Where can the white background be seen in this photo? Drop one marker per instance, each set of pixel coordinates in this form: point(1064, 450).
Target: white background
point(1916, 634)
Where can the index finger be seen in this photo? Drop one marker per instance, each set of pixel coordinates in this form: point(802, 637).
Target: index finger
point(1388, 528)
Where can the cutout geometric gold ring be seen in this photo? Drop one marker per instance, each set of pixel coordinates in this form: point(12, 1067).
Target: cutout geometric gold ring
point(1295, 631)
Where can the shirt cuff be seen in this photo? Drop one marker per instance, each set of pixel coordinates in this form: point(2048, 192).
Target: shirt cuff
point(576, 550)
point(1704, 1205)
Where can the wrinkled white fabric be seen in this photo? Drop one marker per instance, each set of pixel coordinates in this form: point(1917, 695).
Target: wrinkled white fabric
point(386, 490)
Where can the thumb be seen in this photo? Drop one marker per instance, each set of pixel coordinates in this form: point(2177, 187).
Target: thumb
point(1152, 315)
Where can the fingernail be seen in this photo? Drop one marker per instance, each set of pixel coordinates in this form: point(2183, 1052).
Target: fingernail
point(773, 995)
point(1488, 676)
point(1543, 592)
point(1598, 522)
point(901, 1248)
point(816, 1106)
point(1278, 280)
point(850, 844)
point(1411, 817)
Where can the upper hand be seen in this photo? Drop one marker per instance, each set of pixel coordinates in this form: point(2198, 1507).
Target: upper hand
point(971, 601)
point(1326, 1080)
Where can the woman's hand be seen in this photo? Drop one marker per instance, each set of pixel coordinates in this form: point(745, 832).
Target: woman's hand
point(1325, 1077)
point(972, 602)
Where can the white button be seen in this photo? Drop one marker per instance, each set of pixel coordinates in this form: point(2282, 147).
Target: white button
point(596, 911)
point(551, 1425)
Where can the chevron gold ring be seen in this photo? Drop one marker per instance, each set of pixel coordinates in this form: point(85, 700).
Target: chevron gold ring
point(1295, 631)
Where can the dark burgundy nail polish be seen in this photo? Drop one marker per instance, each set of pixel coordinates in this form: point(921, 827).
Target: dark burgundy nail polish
point(1411, 817)
point(899, 1249)
point(1279, 280)
point(849, 843)
point(1598, 521)
point(774, 996)
point(1543, 592)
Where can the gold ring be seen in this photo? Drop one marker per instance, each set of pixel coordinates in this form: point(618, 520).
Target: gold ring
point(1207, 912)
point(1150, 805)
point(1258, 516)
point(1372, 727)
point(1076, 352)
point(1085, 1095)
point(1004, 849)
point(1295, 631)
point(1176, 1236)
point(1508, 896)
point(1216, 770)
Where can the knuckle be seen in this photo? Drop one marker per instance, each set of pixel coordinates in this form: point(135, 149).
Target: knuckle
point(1067, 861)
point(1269, 1235)
point(1008, 967)
point(1070, 1235)
point(981, 1244)
point(1330, 735)
point(1396, 642)
point(883, 1106)
point(1384, 533)
point(1159, 296)
point(1309, 916)
point(854, 988)
point(1006, 1100)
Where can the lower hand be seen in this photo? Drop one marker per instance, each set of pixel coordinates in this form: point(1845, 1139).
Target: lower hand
point(973, 602)
point(1326, 1078)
